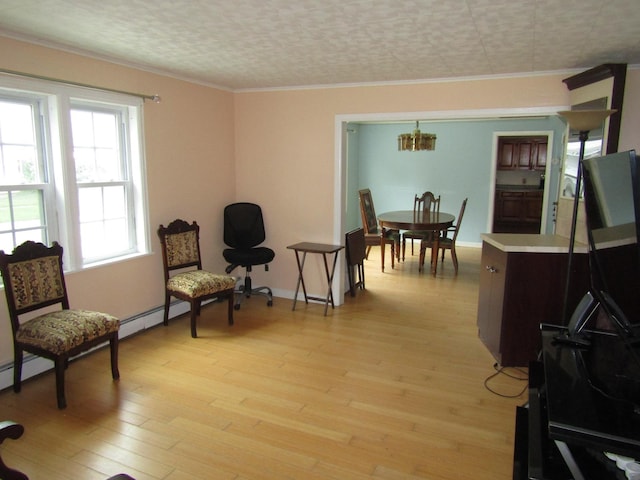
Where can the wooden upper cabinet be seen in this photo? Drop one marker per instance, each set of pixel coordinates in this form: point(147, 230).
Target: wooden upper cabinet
point(522, 153)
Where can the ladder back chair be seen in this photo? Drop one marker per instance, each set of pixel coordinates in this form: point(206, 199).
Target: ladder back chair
point(427, 202)
point(34, 280)
point(446, 242)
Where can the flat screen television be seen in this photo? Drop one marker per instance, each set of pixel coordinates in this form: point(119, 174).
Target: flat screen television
point(612, 204)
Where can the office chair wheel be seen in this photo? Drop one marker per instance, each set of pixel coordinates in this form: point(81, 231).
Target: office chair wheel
point(236, 307)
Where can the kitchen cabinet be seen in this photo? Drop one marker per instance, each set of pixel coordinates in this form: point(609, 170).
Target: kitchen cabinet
point(518, 291)
point(517, 211)
point(522, 153)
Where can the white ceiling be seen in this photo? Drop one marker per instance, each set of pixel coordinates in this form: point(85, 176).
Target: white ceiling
point(253, 44)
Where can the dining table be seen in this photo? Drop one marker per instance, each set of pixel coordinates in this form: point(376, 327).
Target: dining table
point(409, 220)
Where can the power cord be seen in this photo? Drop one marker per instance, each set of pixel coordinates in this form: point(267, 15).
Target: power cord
point(499, 370)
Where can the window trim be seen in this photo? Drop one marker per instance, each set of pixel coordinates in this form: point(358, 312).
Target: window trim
point(61, 197)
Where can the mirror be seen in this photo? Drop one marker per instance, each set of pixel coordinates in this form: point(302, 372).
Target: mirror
point(599, 88)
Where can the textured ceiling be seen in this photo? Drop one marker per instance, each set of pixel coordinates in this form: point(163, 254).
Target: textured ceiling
point(245, 44)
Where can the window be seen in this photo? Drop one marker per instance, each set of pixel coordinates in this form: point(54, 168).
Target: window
point(71, 168)
point(22, 193)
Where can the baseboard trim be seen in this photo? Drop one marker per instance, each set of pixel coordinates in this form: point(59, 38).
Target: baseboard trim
point(34, 365)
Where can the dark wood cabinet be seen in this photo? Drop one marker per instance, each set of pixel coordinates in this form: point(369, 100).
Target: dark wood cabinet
point(522, 153)
point(517, 211)
point(517, 291)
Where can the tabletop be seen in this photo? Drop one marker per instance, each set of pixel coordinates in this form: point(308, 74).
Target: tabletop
point(311, 247)
point(407, 220)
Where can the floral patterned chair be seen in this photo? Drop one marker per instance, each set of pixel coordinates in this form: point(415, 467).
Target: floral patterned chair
point(181, 250)
point(33, 279)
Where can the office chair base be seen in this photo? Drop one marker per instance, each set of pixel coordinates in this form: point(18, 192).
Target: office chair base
point(245, 291)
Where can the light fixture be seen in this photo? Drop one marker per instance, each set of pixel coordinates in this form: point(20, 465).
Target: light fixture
point(417, 140)
point(584, 121)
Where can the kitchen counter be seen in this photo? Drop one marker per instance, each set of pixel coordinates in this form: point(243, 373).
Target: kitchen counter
point(531, 243)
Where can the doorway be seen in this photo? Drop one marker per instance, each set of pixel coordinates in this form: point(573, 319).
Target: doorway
point(521, 170)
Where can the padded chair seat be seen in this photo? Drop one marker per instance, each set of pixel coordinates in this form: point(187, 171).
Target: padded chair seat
point(61, 331)
point(253, 256)
point(199, 283)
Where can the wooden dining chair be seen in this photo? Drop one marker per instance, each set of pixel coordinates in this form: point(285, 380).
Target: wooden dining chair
point(447, 240)
point(372, 231)
point(427, 202)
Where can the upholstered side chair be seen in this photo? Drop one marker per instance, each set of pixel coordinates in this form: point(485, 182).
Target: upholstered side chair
point(184, 277)
point(33, 279)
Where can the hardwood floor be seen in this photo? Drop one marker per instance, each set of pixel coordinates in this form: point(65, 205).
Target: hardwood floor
point(388, 386)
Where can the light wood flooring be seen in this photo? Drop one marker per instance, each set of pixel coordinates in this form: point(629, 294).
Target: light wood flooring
point(391, 385)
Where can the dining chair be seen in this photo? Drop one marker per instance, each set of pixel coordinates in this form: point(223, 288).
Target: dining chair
point(445, 241)
point(42, 322)
point(427, 202)
point(372, 231)
point(184, 277)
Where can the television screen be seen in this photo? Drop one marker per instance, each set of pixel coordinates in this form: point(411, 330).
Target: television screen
point(612, 192)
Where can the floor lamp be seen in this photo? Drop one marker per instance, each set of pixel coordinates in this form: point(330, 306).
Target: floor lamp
point(584, 121)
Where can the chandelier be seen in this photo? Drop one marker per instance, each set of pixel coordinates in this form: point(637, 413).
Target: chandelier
point(416, 140)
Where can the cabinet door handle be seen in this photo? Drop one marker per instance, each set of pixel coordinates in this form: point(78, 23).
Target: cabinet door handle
point(490, 269)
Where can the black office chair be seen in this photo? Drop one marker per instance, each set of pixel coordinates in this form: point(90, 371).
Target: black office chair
point(244, 232)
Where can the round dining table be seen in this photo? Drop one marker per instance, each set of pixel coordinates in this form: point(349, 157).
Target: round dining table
point(410, 220)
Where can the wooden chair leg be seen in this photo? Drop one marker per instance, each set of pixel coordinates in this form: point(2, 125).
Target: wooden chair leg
point(366, 255)
point(230, 305)
point(454, 259)
point(60, 367)
point(113, 347)
point(195, 306)
point(167, 303)
point(17, 368)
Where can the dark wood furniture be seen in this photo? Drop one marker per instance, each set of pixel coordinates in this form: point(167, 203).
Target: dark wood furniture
point(447, 240)
point(355, 253)
point(578, 409)
point(522, 153)
point(34, 283)
point(517, 289)
point(324, 250)
point(373, 235)
point(184, 277)
point(408, 220)
point(427, 202)
point(517, 211)
point(13, 430)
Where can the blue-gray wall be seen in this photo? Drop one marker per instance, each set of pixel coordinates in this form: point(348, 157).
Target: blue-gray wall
point(461, 166)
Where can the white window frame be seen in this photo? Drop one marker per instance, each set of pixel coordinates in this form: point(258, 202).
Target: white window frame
point(61, 192)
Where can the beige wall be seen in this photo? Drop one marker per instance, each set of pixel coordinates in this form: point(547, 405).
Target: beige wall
point(207, 147)
point(190, 174)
